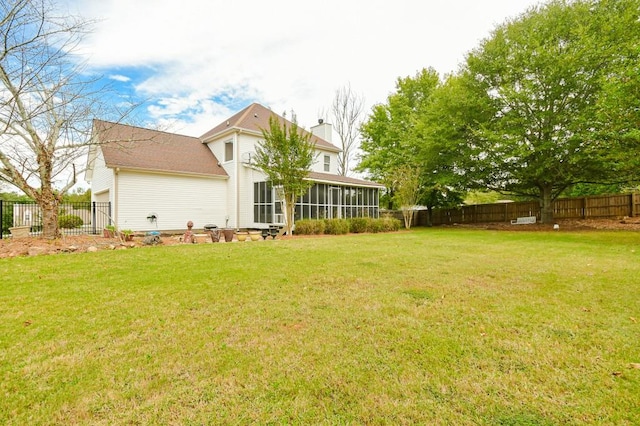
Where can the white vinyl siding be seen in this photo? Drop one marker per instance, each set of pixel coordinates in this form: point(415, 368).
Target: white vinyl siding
point(102, 179)
point(174, 199)
point(324, 159)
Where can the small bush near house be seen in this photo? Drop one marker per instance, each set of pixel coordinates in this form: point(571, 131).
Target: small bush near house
point(358, 225)
point(70, 221)
point(375, 226)
point(336, 226)
point(390, 224)
point(309, 227)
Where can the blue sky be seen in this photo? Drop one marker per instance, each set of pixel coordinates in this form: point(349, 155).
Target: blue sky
point(195, 63)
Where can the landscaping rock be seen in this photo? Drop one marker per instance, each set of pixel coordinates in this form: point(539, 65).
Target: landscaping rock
point(151, 240)
point(36, 251)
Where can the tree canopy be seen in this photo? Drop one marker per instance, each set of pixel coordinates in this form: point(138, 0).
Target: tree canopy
point(542, 81)
point(399, 135)
point(549, 100)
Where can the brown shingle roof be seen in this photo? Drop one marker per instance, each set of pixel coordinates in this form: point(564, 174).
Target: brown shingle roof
point(254, 118)
point(326, 177)
point(144, 149)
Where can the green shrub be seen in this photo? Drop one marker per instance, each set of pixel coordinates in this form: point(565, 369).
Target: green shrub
point(70, 221)
point(390, 224)
point(376, 225)
point(336, 226)
point(309, 227)
point(358, 225)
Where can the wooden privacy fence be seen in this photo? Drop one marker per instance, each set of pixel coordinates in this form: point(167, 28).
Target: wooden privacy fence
point(602, 206)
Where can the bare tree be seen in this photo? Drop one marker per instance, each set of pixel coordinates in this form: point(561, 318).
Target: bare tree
point(46, 103)
point(347, 109)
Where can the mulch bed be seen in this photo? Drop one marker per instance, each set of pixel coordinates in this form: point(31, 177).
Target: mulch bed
point(82, 243)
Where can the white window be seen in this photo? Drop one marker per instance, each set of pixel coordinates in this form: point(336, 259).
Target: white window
point(228, 151)
point(327, 163)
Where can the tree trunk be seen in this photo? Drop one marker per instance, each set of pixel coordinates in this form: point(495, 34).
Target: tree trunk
point(49, 218)
point(546, 205)
point(290, 208)
point(407, 214)
point(429, 216)
point(390, 202)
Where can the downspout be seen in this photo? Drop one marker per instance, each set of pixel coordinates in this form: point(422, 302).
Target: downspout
point(115, 196)
point(236, 144)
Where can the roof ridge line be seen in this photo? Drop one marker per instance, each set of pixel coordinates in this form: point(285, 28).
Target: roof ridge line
point(243, 116)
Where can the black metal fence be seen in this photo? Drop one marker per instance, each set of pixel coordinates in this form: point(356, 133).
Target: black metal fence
point(73, 218)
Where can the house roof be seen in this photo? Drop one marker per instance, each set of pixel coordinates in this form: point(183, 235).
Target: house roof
point(145, 149)
point(329, 178)
point(254, 118)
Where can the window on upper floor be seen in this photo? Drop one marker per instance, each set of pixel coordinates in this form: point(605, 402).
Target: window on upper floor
point(327, 163)
point(228, 151)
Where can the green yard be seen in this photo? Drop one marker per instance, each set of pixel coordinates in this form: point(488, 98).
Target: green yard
point(432, 326)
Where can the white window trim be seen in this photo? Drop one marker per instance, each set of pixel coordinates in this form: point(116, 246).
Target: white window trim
point(229, 142)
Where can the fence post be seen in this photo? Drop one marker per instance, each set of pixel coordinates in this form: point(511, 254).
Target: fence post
point(93, 218)
point(635, 204)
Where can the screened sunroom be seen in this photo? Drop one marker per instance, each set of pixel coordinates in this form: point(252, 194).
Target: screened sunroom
point(334, 200)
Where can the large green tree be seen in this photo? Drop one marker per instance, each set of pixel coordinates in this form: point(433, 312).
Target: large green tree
point(558, 91)
point(399, 135)
point(286, 156)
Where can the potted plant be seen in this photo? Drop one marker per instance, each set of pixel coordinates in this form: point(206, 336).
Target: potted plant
point(242, 235)
point(127, 234)
point(227, 232)
point(255, 235)
point(109, 231)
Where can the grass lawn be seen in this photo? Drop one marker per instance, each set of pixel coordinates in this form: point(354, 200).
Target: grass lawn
point(431, 326)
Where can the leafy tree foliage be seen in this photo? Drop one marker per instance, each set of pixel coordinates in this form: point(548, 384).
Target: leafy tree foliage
point(544, 82)
point(79, 195)
point(286, 156)
point(394, 137)
point(548, 101)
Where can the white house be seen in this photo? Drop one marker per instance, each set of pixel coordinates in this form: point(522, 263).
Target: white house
point(158, 181)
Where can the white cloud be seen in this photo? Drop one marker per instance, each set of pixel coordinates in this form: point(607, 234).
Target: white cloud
point(285, 54)
point(118, 77)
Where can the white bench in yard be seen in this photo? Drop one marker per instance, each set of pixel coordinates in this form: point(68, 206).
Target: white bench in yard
point(524, 220)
